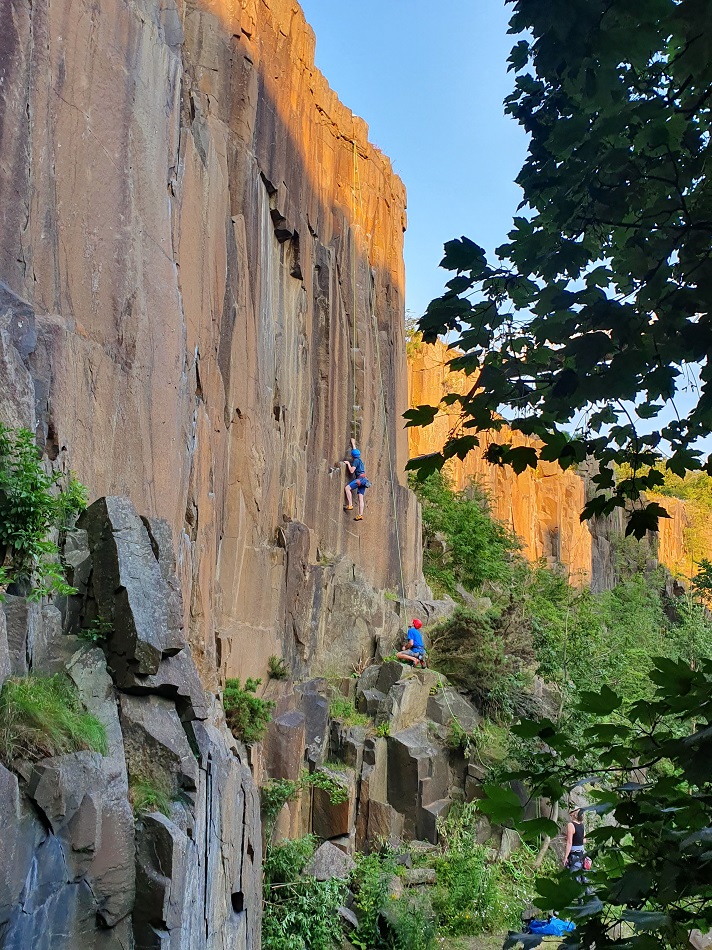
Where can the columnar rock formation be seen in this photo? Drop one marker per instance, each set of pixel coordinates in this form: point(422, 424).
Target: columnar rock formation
point(201, 301)
point(542, 506)
point(202, 232)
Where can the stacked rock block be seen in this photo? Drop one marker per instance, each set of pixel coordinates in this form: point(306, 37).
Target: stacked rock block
point(399, 772)
point(80, 869)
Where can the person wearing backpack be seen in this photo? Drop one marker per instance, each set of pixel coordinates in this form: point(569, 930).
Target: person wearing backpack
point(358, 482)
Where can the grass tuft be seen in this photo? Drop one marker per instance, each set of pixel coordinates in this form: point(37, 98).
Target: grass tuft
point(150, 794)
point(343, 709)
point(42, 716)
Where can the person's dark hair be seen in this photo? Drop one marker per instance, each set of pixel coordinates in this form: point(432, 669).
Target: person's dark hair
point(577, 814)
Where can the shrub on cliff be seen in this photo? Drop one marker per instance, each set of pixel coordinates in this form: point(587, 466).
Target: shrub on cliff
point(487, 658)
point(476, 548)
point(299, 912)
point(247, 715)
point(42, 716)
point(33, 504)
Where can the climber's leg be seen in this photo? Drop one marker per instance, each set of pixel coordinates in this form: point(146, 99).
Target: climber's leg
point(360, 501)
point(349, 498)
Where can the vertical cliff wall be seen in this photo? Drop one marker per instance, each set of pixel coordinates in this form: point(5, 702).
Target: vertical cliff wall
point(203, 232)
point(542, 506)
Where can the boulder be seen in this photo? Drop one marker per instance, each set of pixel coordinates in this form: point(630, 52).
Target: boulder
point(129, 588)
point(415, 877)
point(371, 787)
point(372, 702)
point(418, 776)
point(62, 785)
point(347, 744)
point(176, 678)
point(48, 647)
point(156, 745)
point(161, 869)
point(384, 823)
point(20, 838)
point(161, 538)
point(447, 704)
point(315, 707)
point(22, 618)
point(284, 744)
point(329, 862)
point(428, 818)
point(349, 920)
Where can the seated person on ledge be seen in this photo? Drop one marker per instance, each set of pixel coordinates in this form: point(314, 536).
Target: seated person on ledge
point(414, 649)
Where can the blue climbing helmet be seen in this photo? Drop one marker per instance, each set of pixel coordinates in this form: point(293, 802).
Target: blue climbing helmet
point(355, 454)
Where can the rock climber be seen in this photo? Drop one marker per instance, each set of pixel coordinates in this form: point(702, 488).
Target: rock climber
point(357, 470)
point(413, 649)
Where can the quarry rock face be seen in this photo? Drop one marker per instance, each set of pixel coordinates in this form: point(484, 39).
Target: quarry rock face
point(88, 862)
point(540, 506)
point(202, 264)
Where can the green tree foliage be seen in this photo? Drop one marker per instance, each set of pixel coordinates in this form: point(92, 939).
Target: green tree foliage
point(33, 504)
point(653, 858)
point(477, 548)
point(600, 303)
point(488, 658)
point(246, 713)
point(534, 620)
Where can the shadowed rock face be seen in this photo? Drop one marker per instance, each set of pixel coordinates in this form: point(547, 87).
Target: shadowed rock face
point(179, 216)
point(89, 861)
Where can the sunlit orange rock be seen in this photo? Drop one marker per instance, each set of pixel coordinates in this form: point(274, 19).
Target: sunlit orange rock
point(542, 506)
point(213, 250)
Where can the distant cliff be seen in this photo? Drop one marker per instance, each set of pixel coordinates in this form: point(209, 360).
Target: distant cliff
point(541, 506)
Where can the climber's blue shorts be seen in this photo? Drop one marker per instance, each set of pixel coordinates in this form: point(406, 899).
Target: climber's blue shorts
point(357, 484)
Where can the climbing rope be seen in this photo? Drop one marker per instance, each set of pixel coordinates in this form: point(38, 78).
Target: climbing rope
point(374, 321)
point(354, 423)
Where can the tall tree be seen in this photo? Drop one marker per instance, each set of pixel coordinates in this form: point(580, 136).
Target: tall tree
point(597, 311)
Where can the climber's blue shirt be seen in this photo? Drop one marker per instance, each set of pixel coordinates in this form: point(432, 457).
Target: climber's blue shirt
point(414, 635)
point(359, 467)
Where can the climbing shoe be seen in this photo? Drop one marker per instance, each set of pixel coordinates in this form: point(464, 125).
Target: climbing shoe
point(358, 518)
point(348, 507)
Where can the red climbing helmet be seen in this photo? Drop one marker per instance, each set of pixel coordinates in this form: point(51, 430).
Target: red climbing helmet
point(417, 624)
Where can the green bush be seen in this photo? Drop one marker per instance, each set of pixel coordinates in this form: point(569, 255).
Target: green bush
point(276, 668)
point(477, 549)
point(487, 658)
point(467, 898)
point(370, 883)
point(96, 632)
point(299, 912)
point(32, 506)
point(247, 715)
point(412, 925)
point(42, 716)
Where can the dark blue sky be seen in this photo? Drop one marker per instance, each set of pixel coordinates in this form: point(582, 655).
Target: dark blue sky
point(430, 81)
